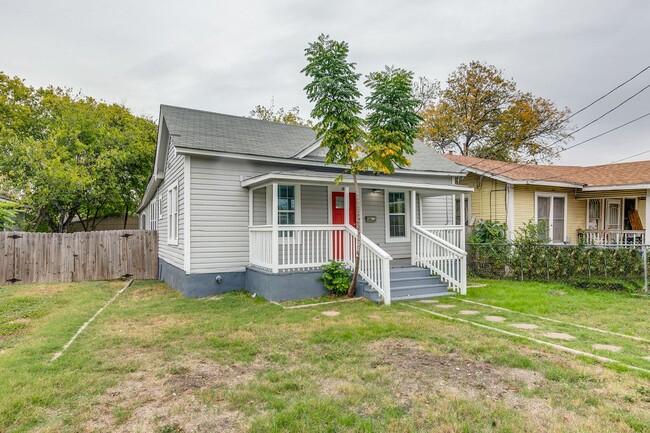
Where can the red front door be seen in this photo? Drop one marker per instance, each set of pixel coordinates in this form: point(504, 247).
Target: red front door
point(338, 211)
point(338, 217)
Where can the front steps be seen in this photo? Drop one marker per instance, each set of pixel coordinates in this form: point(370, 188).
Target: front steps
point(407, 283)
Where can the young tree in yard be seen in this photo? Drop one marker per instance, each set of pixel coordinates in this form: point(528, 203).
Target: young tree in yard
point(377, 144)
point(67, 156)
point(480, 113)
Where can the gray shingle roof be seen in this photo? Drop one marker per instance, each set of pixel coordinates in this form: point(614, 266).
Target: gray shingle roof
point(204, 130)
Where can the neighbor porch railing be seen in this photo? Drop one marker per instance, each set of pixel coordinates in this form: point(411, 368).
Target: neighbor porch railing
point(614, 237)
point(440, 257)
point(304, 247)
point(452, 234)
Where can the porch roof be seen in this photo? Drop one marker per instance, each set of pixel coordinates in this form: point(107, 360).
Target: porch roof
point(367, 180)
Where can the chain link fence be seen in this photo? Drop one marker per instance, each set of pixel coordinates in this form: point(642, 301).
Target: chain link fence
point(598, 266)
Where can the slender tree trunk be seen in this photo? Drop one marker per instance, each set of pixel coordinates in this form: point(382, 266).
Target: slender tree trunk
point(357, 252)
point(126, 215)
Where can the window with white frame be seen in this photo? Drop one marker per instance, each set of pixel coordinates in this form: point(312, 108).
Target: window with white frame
point(550, 209)
point(172, 214)
point(286, 204)
point(613, 214)
point(396, 221)
point(594, 214)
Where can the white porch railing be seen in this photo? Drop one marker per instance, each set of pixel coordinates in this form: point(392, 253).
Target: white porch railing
point(440, 257)
point(452, 234)
point(615, 237)
point(302, 247)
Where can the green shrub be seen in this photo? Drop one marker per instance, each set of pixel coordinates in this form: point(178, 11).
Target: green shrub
point(488, 232)
point(336, 278)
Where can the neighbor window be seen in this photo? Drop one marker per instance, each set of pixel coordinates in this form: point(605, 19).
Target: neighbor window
point(396, 214)
point(550, 212)
point(594, 215)
point(172, 214)
point(613, 214)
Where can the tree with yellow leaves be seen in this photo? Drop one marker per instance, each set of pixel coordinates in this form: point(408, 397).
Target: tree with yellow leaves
point(480, 113)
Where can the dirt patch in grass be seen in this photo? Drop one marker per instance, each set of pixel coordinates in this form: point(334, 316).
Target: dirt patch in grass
point(417, 369)
point(419, 375)
point(187, 396)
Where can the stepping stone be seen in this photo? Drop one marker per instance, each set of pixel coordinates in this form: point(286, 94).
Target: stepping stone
point(374, 316)
point(609, 347)
point(468, 312)
point(330, 313)
point(495, 318)
point(524, 326)
point(404, 313)
point(559, 336)
point(429, 301)
point(445, 306)
point(647, 358)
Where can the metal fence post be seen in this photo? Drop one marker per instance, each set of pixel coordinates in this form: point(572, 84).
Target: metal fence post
point(645, 269)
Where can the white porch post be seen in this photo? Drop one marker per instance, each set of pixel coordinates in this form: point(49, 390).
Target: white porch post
point(462, 221)
point(413, 224)
point(510, 212)
point(346, 205)
point(274, 233)
point(647, 217)
point(346, 223)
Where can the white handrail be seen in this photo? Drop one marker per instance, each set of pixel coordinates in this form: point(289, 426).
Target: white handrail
point(450, 233)
point(441, 258)
point(374, 263)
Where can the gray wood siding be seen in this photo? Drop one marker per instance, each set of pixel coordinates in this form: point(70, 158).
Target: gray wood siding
point(259, 207)
point(313, 199)
point(437, 210)
point(219, 227)
point(174, 171)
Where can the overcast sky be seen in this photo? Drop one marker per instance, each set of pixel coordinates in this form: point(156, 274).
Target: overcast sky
point(230, 56)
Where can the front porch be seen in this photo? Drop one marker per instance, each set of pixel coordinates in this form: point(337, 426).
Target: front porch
point(620, 221)
point(302, 224)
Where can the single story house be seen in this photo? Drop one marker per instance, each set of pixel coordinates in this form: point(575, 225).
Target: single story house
point(241, 203)
point(600, 204)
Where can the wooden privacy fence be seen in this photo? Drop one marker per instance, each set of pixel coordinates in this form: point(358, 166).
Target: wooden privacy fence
point(84, 256)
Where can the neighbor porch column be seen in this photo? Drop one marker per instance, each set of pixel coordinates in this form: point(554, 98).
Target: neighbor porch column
point(510, 212)
point(647, 217)
point(274, 232)
point(462, 221)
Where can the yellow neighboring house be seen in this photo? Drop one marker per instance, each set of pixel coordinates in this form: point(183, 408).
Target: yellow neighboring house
point(602, 204)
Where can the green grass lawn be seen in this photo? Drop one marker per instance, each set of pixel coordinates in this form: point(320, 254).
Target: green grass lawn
point(154, 361)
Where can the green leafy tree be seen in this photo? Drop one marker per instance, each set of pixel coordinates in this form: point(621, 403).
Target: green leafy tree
point(481, 113)
point(270, 114)
point(376, 144)
point(68, 156)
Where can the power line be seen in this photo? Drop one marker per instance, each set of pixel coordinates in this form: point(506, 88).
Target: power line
point(610, 92)
point(598, 118)
point(570, 147)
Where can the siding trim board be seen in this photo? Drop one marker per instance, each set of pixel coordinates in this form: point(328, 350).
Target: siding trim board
point(187, 253)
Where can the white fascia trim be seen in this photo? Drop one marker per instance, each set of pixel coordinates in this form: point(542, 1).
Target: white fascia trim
point(187, 187)
point(309, 149)
point(616, 187)
point(259, 180)
point(288, 161)
point(149, 192)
